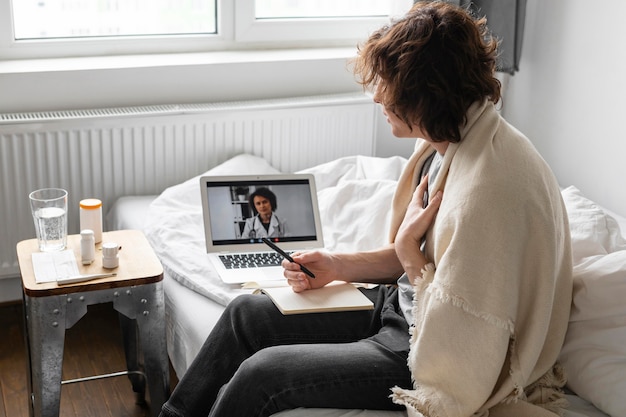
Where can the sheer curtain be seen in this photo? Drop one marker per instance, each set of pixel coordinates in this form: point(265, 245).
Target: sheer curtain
point(505, 19)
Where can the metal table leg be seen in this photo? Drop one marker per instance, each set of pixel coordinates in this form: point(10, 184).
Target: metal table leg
point(47, 318)
point(145, 305)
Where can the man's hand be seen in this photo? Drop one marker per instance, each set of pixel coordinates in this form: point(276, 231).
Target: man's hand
point(416, 222)
point(319, 262)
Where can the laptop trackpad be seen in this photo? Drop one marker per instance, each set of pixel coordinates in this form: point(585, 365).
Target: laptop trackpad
point(272, 273)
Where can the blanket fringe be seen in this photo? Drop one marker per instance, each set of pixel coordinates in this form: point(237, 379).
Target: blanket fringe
point(445, 296)
point(547, 391)
point(416, 403)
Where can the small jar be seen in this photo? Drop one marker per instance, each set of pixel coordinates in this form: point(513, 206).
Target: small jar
point(87, 247)
point(91, 217)
point(110, 255)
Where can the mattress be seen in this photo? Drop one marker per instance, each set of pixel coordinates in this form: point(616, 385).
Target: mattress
point(192, 308)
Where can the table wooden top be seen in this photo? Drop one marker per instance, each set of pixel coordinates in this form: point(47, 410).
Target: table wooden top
point(138, 264)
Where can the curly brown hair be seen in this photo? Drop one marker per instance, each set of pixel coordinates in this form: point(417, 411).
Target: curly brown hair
point(429, 66)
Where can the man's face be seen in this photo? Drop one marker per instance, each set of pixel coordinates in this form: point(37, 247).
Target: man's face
point(398, 127)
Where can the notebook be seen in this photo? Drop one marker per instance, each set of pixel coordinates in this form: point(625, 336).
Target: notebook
point(233, 209)
point(332, 297)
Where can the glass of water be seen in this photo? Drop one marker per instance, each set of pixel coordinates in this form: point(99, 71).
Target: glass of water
point(49, 208)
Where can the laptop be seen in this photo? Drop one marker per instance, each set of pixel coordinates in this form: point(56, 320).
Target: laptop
point(235, 212)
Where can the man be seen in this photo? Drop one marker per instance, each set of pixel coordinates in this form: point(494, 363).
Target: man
point(476, 282)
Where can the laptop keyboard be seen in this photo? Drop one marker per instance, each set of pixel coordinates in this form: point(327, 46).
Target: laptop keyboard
point(251, 260)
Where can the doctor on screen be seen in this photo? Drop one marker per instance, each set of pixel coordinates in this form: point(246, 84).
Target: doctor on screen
point(264, 223)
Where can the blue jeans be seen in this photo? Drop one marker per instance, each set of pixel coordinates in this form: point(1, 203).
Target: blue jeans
point(257, 362)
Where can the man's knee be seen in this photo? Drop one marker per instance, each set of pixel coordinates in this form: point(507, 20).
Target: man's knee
point(265, 368)
point(250, 314)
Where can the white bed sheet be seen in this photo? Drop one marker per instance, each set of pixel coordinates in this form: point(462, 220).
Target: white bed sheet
point(339, 182)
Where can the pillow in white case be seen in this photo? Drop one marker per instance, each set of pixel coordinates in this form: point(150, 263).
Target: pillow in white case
point(594, 353)
point(593, 231)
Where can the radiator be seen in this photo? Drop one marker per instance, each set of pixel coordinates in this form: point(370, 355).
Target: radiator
point(108, 153)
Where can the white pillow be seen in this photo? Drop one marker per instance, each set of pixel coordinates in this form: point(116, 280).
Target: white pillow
point(355, 214)
point(354, 196)
point(594, 352)
point(593, 231)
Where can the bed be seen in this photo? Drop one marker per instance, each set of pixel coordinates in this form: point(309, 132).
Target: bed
point(354, 195)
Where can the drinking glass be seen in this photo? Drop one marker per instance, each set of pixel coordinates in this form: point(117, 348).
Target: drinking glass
point(49, 209)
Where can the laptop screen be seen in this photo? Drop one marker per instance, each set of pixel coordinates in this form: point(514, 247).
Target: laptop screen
point(240, 210)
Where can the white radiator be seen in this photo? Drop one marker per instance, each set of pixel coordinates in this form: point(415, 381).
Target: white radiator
point(107, 153)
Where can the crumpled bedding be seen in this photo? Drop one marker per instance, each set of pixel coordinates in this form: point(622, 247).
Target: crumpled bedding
point(354, 196)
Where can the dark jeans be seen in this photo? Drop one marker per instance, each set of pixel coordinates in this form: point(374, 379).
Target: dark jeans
point(257, 362)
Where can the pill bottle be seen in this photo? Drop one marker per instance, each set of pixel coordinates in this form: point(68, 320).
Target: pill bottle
point(91, 217)
point(110, 255)
point(87, 247)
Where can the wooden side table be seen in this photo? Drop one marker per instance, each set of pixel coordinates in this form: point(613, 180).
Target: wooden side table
point(136, 293)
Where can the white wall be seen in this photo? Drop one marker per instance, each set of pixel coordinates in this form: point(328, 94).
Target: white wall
point(567, 96)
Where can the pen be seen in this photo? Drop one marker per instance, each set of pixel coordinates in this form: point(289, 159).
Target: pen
point(286, 256)
point(81, 278)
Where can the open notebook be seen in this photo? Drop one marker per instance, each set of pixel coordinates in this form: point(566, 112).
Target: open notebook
point(336, 296)
point(234, 208)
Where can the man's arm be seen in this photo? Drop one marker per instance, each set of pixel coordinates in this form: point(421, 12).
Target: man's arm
point(379, 266)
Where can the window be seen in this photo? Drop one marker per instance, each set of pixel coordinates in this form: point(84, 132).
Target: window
point(58, 28)
point(307, 20)
point(50, 19)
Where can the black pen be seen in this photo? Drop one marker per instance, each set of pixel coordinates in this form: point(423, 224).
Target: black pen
point(286, 256)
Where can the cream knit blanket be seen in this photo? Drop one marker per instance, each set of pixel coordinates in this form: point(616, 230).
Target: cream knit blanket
point(492, 308)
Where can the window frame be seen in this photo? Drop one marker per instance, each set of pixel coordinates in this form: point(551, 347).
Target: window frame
point(238, 29)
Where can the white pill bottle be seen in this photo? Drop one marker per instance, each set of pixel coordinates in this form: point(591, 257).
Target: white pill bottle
point(87, 246)
point(91, 217)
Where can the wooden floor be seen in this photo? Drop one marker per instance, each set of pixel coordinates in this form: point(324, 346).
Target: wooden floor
point(93, 346)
